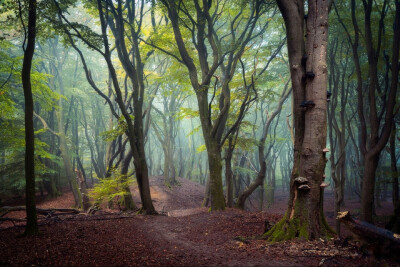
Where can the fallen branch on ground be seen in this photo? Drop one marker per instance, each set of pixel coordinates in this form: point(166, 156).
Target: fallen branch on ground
point(47, 212)
point(379, 240)
point(6, 219)
point(13, 220)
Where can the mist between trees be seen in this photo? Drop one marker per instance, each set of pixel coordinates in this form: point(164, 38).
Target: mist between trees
point(244, 97)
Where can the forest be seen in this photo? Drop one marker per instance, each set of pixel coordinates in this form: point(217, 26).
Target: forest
point(199, 132)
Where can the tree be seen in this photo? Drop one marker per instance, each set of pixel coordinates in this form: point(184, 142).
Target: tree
point(337, 130)
point(31, 223)
point(259, 181)
point(126, 29)
point(203, 17)
point(379, 102)
point(304, 216)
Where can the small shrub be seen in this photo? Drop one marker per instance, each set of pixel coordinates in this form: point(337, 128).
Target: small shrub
point(110, 190)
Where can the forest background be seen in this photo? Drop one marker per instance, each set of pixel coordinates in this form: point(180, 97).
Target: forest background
point(124, 90)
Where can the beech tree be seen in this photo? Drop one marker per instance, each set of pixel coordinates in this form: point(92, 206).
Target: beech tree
point(375, 100)
point(308, 69)
point(262, 156)
point(205, 29)
point(31, 223)
point(373, 143)
point(126, 29)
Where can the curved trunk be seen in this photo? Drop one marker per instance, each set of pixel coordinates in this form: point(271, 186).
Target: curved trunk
point(249, 190)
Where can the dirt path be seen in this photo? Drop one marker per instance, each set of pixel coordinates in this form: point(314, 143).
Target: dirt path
point(209, 239)
point(189, 236)
point(185, 195)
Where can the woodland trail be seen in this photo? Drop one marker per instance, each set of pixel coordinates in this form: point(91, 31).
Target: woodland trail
point(189, 236)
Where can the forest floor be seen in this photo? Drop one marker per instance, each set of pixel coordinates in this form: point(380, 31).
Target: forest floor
point(188, 236)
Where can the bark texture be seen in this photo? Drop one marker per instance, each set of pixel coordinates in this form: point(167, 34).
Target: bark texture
point(304, 217)
point(31, 224)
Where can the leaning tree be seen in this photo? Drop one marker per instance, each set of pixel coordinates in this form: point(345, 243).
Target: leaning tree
point(124, 20)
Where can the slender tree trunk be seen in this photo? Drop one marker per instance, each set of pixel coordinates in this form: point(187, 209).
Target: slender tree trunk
point(83, 190)
point(253, 186)
point(31, 224)
point(206, 199)
point(229, 174)
point(128, 200)
point(368, 187)
point(378, 140)
point(393, 166)
point(64, 149)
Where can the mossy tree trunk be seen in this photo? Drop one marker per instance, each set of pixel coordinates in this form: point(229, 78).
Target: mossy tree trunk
point(308, 70)
point(215, 166)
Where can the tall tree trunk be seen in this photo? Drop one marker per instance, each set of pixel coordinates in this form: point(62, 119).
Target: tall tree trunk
point(135, 126)
point(377, 140)
point(69, 171)
point(31, 224)
point(309, 77)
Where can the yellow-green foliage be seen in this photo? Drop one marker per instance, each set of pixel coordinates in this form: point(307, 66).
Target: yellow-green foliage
point(111, 189)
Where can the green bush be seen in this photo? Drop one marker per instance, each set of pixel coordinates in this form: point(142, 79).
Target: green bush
point(111, 190)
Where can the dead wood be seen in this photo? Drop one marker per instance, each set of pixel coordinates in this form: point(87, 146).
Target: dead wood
point(380, 241)
point(7, 219)
point(53, 211)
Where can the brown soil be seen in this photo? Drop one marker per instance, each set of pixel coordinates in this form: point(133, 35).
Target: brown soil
point(189, 236)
